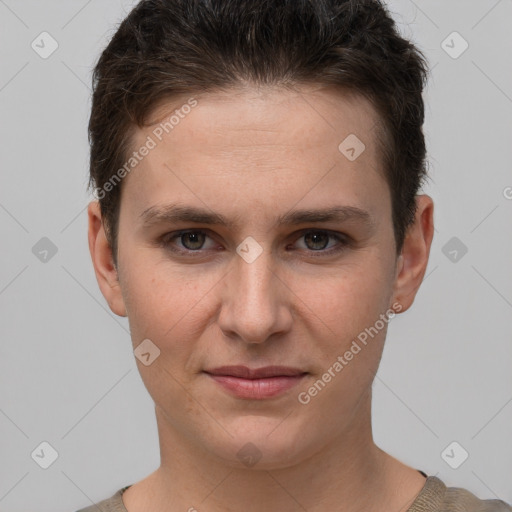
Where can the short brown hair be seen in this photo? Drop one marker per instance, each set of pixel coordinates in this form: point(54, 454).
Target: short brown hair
point(165, 48)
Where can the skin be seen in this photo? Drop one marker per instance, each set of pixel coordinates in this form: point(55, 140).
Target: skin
point(252, 154)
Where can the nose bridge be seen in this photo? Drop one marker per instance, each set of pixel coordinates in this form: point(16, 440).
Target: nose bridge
point(253, 278)
point(251, 307)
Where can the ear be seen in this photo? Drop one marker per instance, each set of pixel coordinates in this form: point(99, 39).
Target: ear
point(101, 254)
point(412, 261)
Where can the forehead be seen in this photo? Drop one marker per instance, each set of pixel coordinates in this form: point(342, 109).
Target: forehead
point(269, 146)
point(272, 113)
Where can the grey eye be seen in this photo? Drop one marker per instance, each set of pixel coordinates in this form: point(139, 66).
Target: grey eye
point(192, 240)
point(318, 240)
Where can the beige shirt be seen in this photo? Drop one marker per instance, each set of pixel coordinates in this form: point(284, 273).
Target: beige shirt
point(434, 497)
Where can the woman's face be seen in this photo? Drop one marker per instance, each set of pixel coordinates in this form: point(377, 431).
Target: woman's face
point(270, 286)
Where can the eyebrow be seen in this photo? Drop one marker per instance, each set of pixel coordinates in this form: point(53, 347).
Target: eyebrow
point(174, 213)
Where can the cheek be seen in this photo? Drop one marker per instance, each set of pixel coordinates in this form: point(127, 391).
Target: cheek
point(349, 297)
point(174, 305)
point(165, 304)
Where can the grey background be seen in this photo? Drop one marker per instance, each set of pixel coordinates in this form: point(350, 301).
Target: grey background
point(67, 372)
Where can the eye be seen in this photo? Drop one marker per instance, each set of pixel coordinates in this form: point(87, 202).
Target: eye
point(188, 242)
point(191, 241)
point(317, 240)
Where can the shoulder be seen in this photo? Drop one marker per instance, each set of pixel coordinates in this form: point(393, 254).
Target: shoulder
point(436, 497)
point(461, 499)
point(112, 504)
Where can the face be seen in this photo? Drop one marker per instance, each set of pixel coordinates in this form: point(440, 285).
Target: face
point(291, 260)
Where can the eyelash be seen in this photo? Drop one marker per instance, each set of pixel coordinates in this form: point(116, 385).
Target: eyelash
point(343, 242)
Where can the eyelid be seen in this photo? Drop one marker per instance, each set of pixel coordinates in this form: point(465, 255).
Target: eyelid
point(335, 234)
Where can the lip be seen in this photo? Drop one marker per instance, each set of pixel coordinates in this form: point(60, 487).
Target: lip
point(256, 384)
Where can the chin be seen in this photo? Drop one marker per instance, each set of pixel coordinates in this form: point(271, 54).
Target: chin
point(260, 443)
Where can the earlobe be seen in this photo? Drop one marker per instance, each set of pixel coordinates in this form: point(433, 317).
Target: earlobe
point(413, 260)
point(101, 254)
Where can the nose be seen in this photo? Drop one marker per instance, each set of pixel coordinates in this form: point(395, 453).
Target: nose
point(255, 300)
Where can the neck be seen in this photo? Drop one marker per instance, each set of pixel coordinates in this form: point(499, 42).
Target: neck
point(349, 473)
